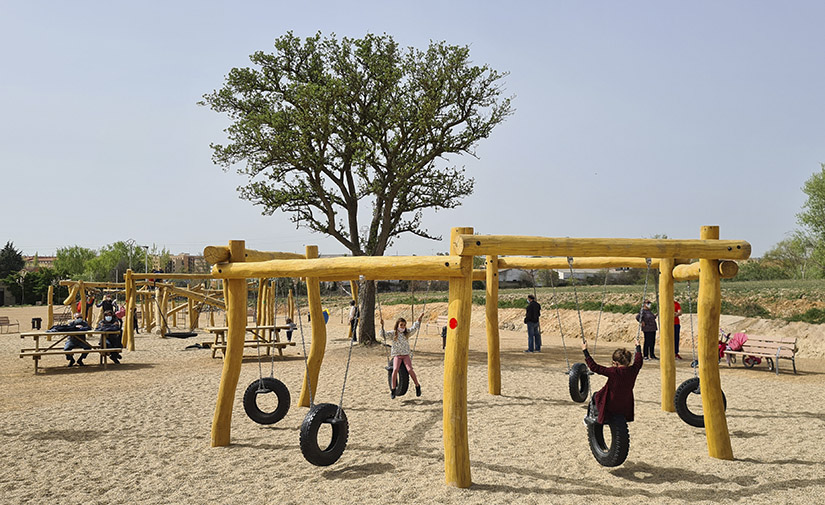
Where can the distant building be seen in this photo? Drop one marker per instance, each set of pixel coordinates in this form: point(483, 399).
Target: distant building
point(182, 263)
point(6, 297)
point(35, 262)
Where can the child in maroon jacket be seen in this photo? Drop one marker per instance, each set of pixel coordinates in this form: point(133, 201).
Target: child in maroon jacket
point(616, 397)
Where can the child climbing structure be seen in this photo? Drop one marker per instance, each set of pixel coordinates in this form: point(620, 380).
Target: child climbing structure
point(234, 266)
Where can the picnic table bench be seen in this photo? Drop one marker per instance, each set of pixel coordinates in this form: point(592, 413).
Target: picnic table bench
point(771, 348)
point(6, 322)
point(267, 337)
point(440, 322)
point(56, 348)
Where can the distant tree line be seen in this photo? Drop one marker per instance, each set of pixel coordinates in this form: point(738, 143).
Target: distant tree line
point(109, 264)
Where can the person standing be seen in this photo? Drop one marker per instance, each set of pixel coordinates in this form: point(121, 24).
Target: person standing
point(531, 319)
point(353, 319)
point(647, 319)
point(676, 327)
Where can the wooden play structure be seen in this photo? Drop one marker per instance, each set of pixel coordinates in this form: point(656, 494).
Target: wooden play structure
point(235, 264)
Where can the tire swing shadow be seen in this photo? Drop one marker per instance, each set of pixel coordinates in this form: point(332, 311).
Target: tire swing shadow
point(353, 472)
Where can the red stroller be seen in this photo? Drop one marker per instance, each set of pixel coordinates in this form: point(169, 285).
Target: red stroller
point(735, 343)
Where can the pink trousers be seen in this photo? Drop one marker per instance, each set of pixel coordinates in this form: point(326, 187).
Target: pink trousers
point(396, 364)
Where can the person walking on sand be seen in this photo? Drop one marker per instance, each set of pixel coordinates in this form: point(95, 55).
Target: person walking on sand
point(531, 319)
point(647, 319)
point(400, 351)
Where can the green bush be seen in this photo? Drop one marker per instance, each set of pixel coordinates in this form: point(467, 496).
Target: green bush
point(747, 309)
point(812, 316)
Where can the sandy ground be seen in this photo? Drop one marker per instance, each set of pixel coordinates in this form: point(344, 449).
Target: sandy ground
point(140, 432)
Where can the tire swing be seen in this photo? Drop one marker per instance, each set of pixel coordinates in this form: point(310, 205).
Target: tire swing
point(323, 413)
point(616, 453)
point(403, 374)
point(691, 386)
point(579, 375)
point(265, 385)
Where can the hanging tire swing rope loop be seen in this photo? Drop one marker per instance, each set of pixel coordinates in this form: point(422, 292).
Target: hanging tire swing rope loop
point(558, 319)
point(579, 374)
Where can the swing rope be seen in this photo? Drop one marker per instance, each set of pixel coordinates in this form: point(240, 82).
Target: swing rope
point(601, 309)
point(692, 336)
point(304, 347)
point(258, 348)
point(576, 297)
point(558, 318)
point(423, 310)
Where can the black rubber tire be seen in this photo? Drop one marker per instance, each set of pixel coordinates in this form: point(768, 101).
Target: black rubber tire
point(687, 388)
point(403, 379)
point(180, 334)
point(616, 454)
point(264, 386)
point(317, 415)
point(579, 382)
point(748, 361)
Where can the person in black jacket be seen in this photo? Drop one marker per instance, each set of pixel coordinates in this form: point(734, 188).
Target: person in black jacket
point(647, 319)
point(532, 321)
point(111, 323)
point(78, 324)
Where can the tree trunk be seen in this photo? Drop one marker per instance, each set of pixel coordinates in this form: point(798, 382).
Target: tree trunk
point(366, 330)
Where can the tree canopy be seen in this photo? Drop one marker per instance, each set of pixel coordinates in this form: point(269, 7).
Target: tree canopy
point(812, 217)
point(11, 260)
point(330, 131)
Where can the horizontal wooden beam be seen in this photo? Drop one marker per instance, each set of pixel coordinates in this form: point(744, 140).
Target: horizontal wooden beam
point(727, 270)
point(193, 295)
point(525, 263)
point(348, 267)
point(508, 245)
point(215, 254)
point(165, 275)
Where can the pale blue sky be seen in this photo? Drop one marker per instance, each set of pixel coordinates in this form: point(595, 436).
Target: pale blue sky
point(632, 118)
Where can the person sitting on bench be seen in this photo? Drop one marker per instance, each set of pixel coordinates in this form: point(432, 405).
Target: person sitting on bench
point(78, 324)
point(111, 323)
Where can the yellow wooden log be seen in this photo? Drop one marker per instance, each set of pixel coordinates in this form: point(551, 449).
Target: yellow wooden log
point(525, 263)
point(291, 305)
point(200, 297)
point(709, 308)
point(667, 352)
point(72, 295)
point(177, 276)
point(220, 254)
point(50, 320)
point(319, 334)
point(129, 323)
point(727, 270)
point(456, 356)
point(81, 291)
point(233, 355)
point(351, 267)
point(164, 307)
point(481, 245)
point(190, 311)
point(491, 311)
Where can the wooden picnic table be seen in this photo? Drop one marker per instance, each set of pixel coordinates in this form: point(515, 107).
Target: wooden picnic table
point(266, 336)
point(55, 347)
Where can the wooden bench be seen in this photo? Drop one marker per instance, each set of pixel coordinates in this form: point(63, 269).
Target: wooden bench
point(6, 322)
point(267, 337)
point(771, 348)
point(440, 322)
point(55, 349)
point(61, 318)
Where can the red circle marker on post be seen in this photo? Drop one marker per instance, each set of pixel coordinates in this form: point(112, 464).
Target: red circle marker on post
point(453, 323)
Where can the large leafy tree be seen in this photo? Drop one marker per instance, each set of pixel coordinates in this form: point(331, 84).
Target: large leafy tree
point(812, 217)
point(352, 137)
point(70, 262)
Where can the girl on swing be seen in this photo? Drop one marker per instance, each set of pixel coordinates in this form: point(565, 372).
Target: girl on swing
point(616, 397)
point(401, 350)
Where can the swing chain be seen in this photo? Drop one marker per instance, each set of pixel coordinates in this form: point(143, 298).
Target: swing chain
point(692, 336)
point(644, 295)
point(576, 297)
point(558, 319)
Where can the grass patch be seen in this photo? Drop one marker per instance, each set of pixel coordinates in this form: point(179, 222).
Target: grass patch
point(812, 316)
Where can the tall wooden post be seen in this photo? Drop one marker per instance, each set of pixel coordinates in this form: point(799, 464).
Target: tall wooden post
point(709, 307)
point(50, 295)
point(353, 286)
point(456, 357)
point(190, 312)
point(319, 334)
point(259, 303)
point(233, 358)
point(493, 347)
point(81, 290)
point(667, 353)
point(129, 334)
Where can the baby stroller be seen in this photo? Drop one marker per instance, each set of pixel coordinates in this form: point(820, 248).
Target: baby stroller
point(722, 346)
point(735, 343)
